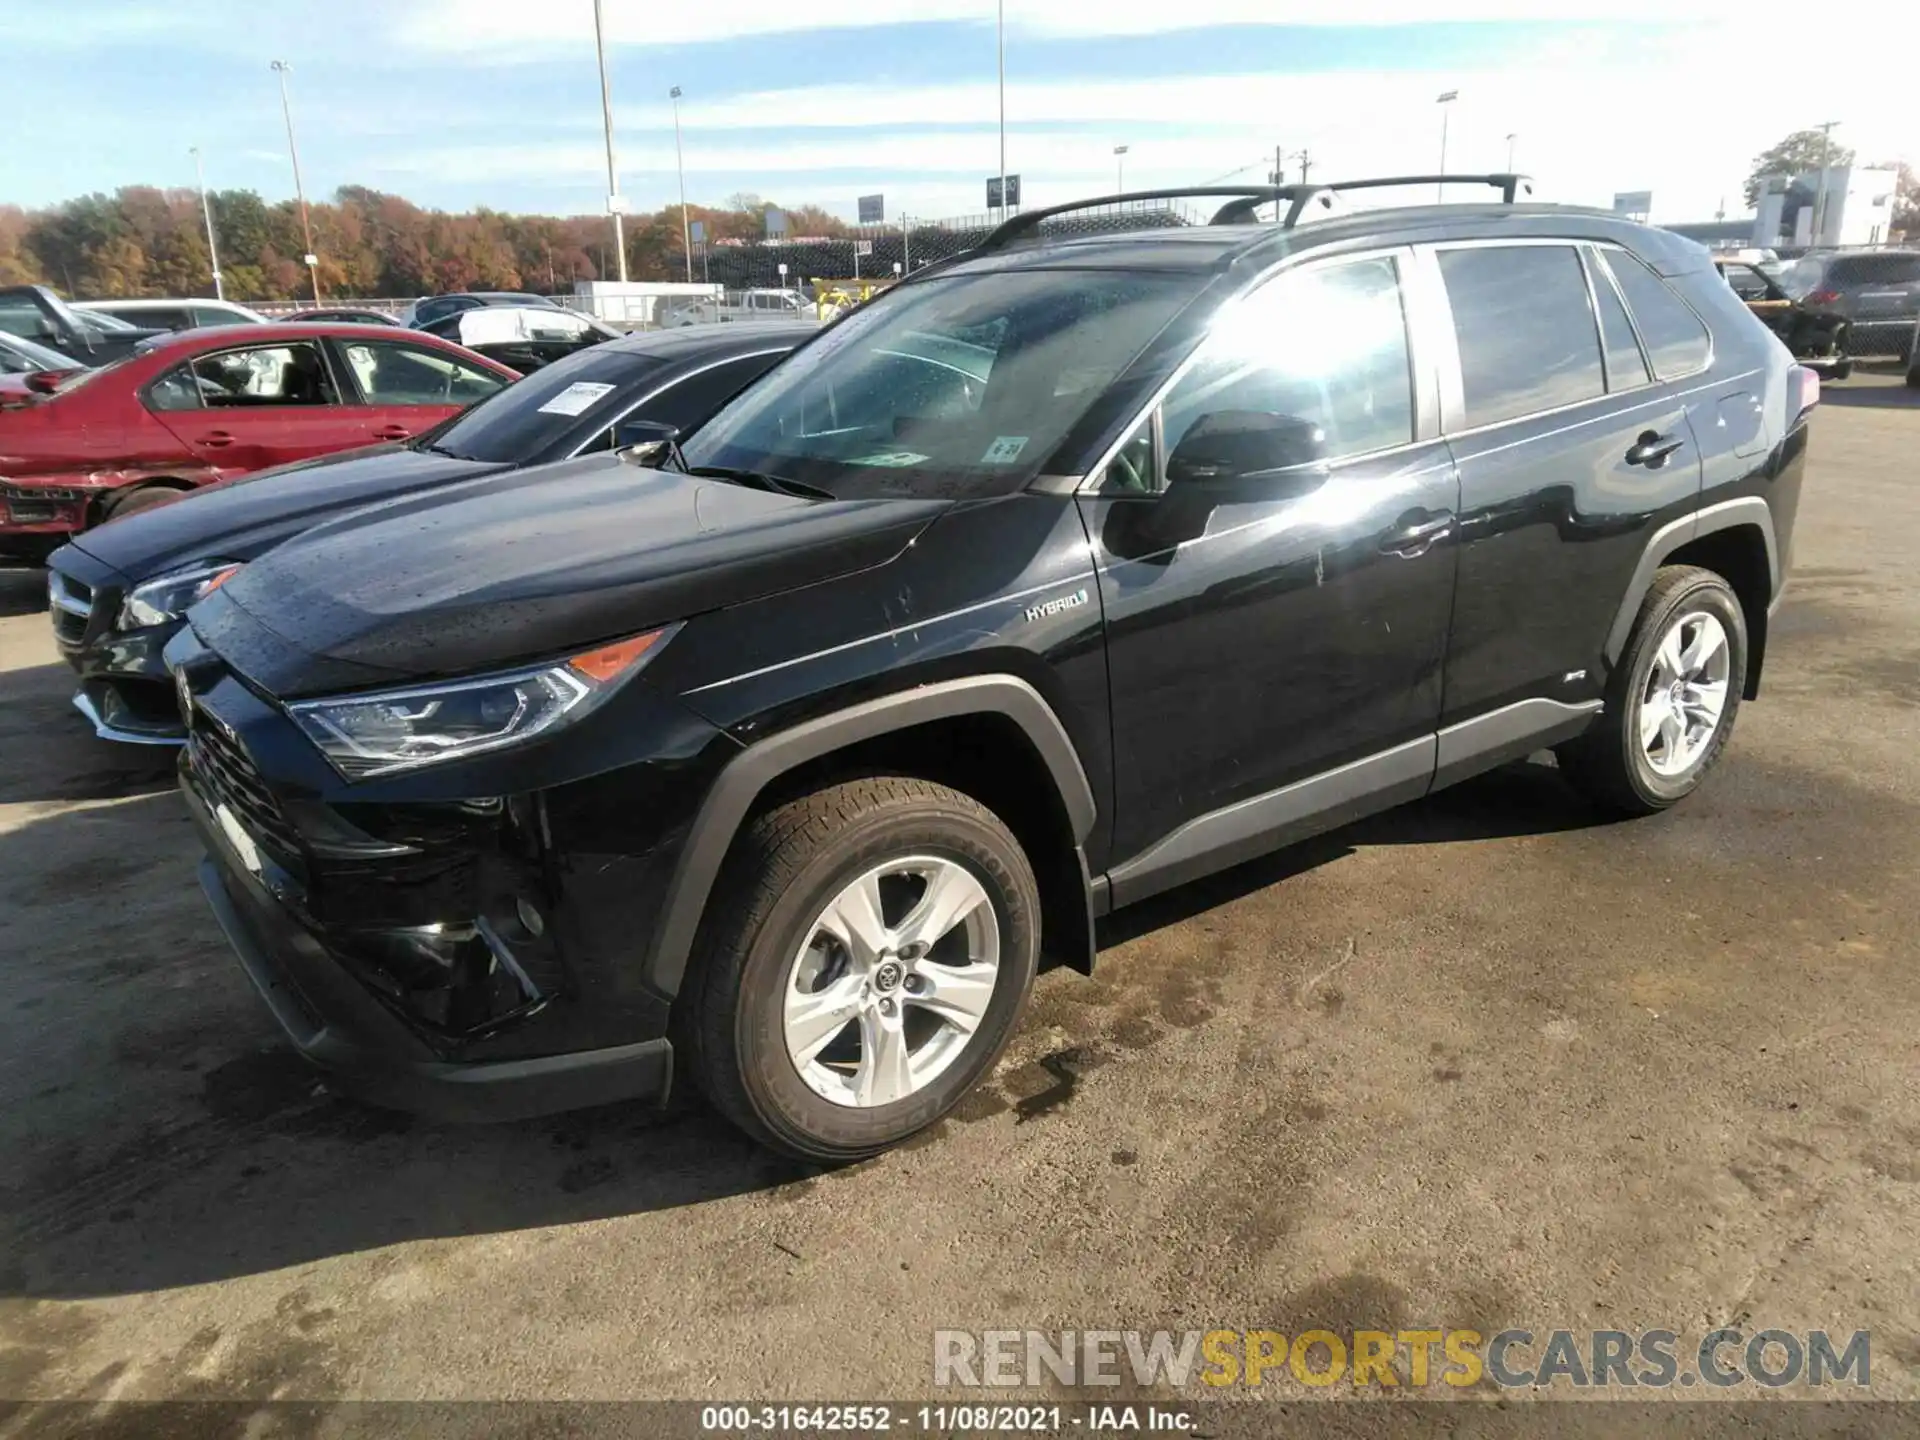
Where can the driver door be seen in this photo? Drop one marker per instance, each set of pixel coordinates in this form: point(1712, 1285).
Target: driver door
point(1275, 637)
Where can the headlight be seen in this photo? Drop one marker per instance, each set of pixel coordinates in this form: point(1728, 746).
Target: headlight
point(167, 597)
point(377, 734)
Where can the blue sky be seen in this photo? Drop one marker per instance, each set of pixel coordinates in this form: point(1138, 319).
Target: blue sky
point(455, 103)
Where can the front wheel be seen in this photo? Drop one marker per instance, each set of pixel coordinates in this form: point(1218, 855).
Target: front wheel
point(864, 960)
point(1671, 702)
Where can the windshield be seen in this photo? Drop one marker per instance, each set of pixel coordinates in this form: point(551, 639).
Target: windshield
point(945, 385)
point(580, 393)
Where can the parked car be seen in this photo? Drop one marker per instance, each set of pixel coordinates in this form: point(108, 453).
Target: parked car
point(523, 336)
point(343, 317)
point(749, 305)
point(173, 314)
point(425, 311)
point(33, 312)
point(118, 592)
point(783, 764)
point(1877, 292)
point(1816, 337)
point(28, 357)
point(204, 405)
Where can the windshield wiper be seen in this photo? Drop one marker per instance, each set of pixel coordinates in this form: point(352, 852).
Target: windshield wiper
point(760, 481)
point(437, 449)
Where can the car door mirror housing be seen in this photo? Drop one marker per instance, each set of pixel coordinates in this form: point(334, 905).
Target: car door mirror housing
point(649, 442)
point(1243, 444)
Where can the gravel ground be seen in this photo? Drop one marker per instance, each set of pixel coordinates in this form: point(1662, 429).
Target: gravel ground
point(1478, 1062)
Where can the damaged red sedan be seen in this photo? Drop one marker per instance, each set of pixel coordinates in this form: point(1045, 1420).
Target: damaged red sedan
point(189, 409)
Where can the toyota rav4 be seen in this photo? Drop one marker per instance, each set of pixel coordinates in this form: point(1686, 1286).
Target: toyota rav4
point(1055, 577)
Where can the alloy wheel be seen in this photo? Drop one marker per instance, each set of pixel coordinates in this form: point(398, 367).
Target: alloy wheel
point(892, 980)
point(1686, 693)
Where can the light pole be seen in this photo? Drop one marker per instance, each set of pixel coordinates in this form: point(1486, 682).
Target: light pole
point(606, 121)
point(206, 211)
point(1510, 140)
point(1445, 102)
point(281, 68)
point(1306, 164)
point(680, 164)
point(1000, 42)
point(1120, 167)
point(1820, 195)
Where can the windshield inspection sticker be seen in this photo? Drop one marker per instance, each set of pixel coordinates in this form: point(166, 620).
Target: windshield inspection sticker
point(576, 399)
point(1005, 450)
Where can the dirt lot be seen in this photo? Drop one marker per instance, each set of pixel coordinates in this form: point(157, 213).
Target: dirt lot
point(1479, 1062)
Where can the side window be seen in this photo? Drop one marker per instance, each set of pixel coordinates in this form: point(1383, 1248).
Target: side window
point(267, 375)
point(174, 390)
point(1325, 347)
point(1626, 366)
point(396, 374)
point(24, 318)
point(1748, 283)
point(208, 315)
point(1676, 341)
point(1525, 330)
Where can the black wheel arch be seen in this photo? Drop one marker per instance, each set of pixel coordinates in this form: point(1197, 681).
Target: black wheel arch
point(1058, 825)
point(1733, 538)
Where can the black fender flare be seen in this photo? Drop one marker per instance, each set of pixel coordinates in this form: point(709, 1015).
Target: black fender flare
point(740, 783)
point(1726, 515)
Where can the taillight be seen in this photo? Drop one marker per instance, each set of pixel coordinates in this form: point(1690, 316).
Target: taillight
point(1803, 391)
point(1822, 297)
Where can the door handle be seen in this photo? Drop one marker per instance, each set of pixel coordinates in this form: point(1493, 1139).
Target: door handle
point(216, 439)
point(1652, 449)
point(392, 432)
point(1412, 541)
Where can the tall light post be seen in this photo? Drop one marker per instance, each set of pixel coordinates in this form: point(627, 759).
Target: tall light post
point(1120, 167)
point(1820, 195)
point(680, 164)
point(1000, 44)
point(614, 203)
point(1445, 102)
point(282, 69)
point(1510, 140)
point(206, 212)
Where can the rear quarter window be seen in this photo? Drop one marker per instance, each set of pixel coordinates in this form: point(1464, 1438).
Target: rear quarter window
point(1675, 338)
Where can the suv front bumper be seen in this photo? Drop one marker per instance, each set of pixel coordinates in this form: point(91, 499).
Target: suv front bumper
point(337, 1025)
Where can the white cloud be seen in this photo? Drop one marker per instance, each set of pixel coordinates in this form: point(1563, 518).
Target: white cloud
point(507, 26)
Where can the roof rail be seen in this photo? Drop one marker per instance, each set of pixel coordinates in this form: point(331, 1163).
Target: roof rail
point(1248, 197)
point(1242, 202)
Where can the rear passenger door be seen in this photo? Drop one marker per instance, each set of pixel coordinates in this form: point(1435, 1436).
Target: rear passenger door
point(253, 406)
point(1571, 453)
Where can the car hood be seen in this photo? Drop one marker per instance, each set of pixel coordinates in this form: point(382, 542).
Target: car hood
point(245, 518)
point(529, 564)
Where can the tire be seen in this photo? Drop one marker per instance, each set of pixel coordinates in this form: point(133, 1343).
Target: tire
point(145, 498)
point(1611, 764)
point(1913, 376)
point(1844, 370)
point(767, 943)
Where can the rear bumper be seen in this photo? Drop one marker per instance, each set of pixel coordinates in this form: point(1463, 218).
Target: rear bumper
point(1879, 337)
point(340, 1029)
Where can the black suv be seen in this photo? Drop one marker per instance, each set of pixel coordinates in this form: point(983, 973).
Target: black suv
point(1059, 575)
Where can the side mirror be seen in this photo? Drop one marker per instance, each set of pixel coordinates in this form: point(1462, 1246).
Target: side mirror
point(649, 442)
point(1241, 444)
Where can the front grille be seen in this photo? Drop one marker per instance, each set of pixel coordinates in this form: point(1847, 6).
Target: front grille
point(229, 778)
point(70, 604)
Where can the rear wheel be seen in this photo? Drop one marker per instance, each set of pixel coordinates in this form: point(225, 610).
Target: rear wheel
point(864, 960)
point(1672, 700)
point(132, 501)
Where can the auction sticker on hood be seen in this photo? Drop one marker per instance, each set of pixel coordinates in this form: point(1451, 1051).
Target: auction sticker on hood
point(1004, 450)
point(576, 399)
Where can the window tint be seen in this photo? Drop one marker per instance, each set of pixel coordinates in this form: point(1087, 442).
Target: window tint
point(268, 375)
point(1626, 366)
point(397, 374)
point(1327, 346)
point(1526, 332)
point(1891, 268)
point(174, 390)
point(213, 315)
point(1676, 341)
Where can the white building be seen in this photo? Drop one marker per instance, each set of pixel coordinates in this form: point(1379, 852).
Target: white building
point(1857, 211)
